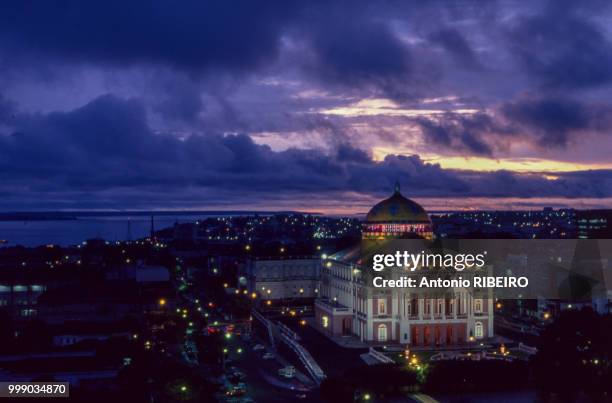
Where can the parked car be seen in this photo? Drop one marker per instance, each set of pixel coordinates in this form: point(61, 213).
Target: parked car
point(258, 347)
point(268, 356)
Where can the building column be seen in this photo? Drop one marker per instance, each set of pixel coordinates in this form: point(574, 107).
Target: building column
point(444, 308)
point(421, 303)
point(432, 307)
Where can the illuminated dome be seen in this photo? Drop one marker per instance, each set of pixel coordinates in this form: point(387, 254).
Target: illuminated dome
point(397, 217)
point(397, 209)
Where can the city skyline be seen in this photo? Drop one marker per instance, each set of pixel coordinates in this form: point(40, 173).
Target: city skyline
point(312, 107)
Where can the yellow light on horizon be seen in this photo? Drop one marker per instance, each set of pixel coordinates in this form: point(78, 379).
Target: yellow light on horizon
point(523, 165)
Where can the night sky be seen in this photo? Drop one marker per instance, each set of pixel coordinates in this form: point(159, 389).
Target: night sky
point(310, 105)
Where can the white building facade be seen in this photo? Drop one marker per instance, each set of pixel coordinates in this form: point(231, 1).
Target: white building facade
point(349, 304)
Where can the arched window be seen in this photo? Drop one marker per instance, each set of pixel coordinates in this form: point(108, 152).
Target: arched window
point(382, 332)
point(478, 330)
point(478, 305)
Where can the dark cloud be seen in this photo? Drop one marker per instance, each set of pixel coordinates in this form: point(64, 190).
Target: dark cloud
point(556, 121)
point(454, 42)
point(346, 152)
point(460, 133)
point(359, 51)
point(8, 110)
point(563, 47)
point(192, 35)
point(191, 84)
point(106, 146)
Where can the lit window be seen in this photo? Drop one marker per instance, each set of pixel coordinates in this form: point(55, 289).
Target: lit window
point(382, 332)
point(325, 321)
point(478, 306)
point(478, 330)
point(382, 306)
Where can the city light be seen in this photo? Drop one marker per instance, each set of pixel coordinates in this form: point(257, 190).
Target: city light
point(162, 302)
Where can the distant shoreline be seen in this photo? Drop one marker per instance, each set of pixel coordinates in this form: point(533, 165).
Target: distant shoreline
point(74, 215)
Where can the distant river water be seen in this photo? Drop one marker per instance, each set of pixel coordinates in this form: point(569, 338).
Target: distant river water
point(70, 232)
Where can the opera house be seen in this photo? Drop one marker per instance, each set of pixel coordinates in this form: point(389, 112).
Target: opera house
point(348, 304)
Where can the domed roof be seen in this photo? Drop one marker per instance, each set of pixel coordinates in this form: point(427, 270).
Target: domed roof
point(397, 209)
